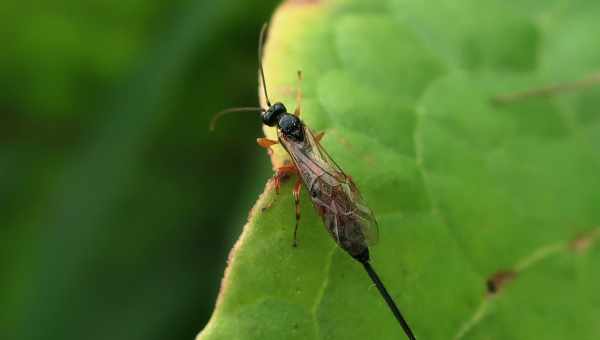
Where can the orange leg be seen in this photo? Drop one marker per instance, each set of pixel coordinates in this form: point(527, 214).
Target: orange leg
point(265, 142)
point(298, 95)
point(296, 193)
point(282, 172)
point(319, 136)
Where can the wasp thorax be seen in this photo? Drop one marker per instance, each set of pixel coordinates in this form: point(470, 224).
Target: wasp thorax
point(291, 127)
point(273, 113)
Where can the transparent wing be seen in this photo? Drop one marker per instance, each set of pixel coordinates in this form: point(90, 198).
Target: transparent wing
point(346, 215)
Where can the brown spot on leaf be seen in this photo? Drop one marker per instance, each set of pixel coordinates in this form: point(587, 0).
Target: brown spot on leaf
point(584, 241)
point(497, 281)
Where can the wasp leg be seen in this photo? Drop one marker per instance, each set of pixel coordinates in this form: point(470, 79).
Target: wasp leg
point(265, 142)
point(282, 172)
point(296, 193)
point(298, 95)
point(319, 136)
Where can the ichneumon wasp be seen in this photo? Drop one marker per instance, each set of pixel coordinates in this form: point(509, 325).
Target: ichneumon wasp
point(333, 193)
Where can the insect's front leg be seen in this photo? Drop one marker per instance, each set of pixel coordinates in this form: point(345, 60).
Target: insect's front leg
point(319, 136)
point(296, 193)
point(282, 172)
point(265, 142)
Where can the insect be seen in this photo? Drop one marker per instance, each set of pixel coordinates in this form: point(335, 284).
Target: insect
point(333, 193)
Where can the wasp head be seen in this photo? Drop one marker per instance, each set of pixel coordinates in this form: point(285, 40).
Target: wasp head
point(273, 113)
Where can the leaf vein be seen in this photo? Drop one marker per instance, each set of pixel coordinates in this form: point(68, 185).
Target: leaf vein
point(321, 291)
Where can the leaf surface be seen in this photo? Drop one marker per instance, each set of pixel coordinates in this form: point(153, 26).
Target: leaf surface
point(488, 213)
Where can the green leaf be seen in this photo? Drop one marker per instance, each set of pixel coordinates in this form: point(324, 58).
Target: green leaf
point(488, 213)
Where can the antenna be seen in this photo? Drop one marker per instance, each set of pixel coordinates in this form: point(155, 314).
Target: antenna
point(218, 115)
point(260, 48)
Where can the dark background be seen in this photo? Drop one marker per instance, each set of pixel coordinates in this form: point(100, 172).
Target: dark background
point(117, 206)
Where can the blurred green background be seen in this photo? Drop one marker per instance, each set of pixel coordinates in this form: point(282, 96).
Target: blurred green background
point(118, 206)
